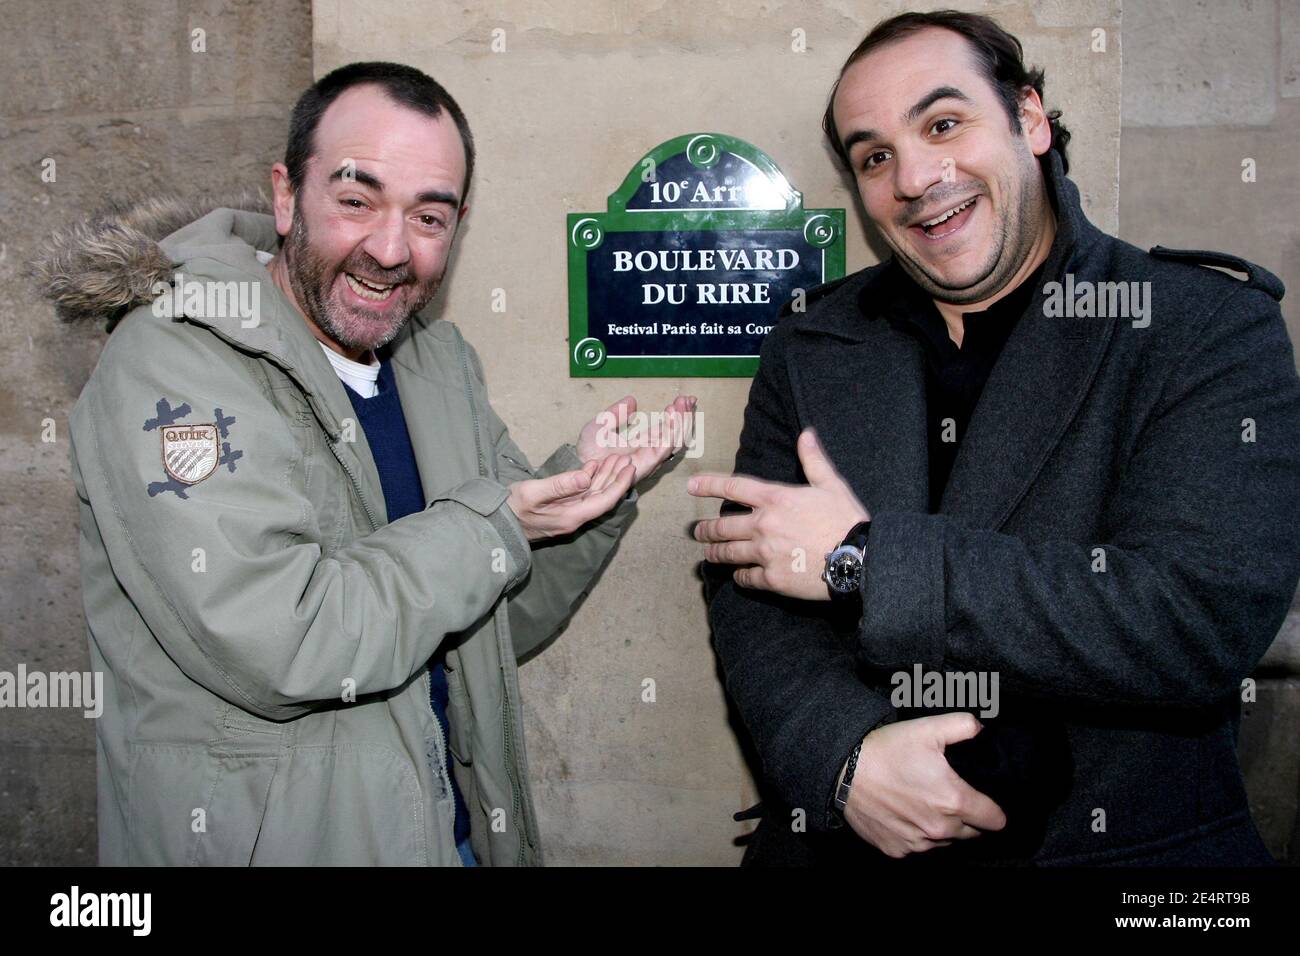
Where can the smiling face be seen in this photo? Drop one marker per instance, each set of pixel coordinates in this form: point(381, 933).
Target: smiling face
point(368, 232)
point(955, 193)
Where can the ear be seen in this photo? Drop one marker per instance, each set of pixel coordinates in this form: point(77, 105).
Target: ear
point(282, 198)
point(1034, 124)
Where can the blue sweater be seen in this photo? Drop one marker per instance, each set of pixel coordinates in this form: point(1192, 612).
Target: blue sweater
point(384, 424)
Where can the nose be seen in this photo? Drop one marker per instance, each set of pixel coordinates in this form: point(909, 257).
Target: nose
point(916, 170)
point(386, 243)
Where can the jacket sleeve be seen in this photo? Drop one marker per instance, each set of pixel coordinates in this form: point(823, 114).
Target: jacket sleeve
point(234, 575)
point(563, 569)
point(788, 668)
point(1201, 556)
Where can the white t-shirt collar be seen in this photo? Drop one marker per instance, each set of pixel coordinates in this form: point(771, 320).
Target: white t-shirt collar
point(362, 379)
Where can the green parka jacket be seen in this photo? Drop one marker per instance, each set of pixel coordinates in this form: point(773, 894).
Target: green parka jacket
point(264, 631)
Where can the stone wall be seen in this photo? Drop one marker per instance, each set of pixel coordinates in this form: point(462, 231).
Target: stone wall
point(117, 96)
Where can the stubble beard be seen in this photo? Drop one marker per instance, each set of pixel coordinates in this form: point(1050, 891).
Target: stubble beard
point(312, 278)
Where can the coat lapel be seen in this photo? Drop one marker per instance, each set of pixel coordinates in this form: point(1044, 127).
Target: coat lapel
point(1032, 395)
point(861, 385)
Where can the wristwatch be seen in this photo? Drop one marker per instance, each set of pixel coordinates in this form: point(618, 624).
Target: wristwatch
point(843, 573)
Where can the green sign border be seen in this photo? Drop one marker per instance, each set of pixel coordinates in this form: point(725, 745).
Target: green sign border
point(586, 231)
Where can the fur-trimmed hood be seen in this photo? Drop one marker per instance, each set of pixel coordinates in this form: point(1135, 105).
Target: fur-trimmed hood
point(105, 266)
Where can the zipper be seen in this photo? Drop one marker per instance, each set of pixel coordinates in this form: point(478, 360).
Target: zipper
point(516, 799)
point(356, 482)
point(442, 749)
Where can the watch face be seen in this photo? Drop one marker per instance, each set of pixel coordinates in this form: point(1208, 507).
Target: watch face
point(844, 571)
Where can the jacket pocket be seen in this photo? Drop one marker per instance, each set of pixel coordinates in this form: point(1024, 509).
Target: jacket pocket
point(240, 725)
point(459, 716)
point(195, 804)
point(347, 805)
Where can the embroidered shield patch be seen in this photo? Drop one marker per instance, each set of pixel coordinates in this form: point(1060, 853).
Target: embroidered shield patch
point(190, 452)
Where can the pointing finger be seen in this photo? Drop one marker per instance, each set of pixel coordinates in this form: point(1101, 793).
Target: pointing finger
point(737, 488)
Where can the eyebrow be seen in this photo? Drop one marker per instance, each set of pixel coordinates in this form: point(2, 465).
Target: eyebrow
point(936, 94)
point(369, 179)
point(439, 196)
point(911, 116)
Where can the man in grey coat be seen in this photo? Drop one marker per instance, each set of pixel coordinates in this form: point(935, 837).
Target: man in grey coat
point(1020, 455)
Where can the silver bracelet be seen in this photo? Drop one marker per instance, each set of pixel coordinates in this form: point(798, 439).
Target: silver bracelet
point(846, 785)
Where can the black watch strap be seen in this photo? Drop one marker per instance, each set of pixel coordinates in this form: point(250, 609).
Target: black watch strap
point(857, 536)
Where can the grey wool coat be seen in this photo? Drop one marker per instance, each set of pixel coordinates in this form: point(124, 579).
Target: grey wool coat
point(1173, 446)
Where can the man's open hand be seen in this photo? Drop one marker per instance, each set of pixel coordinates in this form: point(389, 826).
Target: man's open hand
point(645, 441)
point(560, 504)
point(905, 798)
point(783, 542)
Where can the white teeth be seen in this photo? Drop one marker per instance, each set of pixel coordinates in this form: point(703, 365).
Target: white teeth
point(949, 214)
point(366, 290)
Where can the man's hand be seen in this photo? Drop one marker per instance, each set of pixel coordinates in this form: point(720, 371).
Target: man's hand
point(560, 504)
point(783, 542)
point(906, 799)
point(645, 442)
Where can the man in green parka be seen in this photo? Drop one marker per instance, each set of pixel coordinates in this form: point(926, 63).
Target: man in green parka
point(311, 553)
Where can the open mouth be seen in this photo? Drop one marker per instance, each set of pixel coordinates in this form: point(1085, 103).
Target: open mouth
point(947, 222)
point(366, 289)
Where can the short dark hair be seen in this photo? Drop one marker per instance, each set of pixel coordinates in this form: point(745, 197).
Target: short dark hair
point(404, 85)
point(998, 54)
